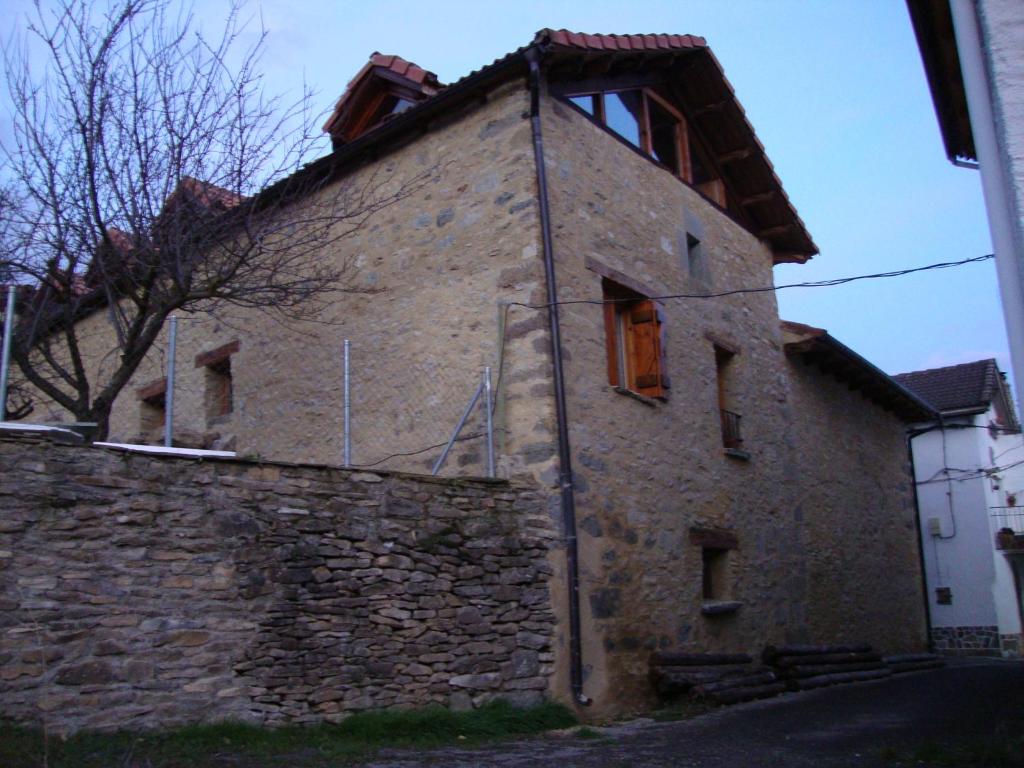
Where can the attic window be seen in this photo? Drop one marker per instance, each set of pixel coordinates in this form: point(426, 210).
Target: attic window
point(654, 125)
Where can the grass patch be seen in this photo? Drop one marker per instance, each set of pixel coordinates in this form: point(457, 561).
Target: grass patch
point(683, 709)
point(1000, 751)
point(235, 744)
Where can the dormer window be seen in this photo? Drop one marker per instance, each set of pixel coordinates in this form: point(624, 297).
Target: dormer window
point(652, 124)
point(384, 88)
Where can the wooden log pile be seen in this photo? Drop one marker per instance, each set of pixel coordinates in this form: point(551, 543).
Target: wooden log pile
point(804, 667)
point(722, 678)
point(911, 662)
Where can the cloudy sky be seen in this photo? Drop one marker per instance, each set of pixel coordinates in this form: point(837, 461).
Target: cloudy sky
point(835, 90)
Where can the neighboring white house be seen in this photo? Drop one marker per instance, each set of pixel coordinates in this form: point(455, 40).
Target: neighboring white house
point(973, 54)
point(969, 469)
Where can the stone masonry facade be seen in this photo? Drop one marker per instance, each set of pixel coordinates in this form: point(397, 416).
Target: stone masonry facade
point(141, 590)
point(818, 510)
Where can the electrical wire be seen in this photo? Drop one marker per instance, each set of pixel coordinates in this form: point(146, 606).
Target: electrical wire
point(976, 474)
point(765, 289)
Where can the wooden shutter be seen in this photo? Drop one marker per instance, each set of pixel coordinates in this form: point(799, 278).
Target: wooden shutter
point(644, 346)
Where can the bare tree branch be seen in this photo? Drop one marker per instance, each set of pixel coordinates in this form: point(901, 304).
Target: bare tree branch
point(136, 181)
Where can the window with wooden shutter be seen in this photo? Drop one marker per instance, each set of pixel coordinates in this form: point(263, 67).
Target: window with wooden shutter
point(635, 340)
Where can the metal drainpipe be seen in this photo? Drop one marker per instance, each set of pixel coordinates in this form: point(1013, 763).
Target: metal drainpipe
point(564, 454)
point(911, 434)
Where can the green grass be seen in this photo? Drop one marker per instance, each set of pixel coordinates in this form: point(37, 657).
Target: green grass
point(682, 709)
point(234, 744)
point(1000, 751)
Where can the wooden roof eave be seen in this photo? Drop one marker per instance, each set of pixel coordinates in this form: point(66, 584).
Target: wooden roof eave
point(835, 358)
point(723, 110)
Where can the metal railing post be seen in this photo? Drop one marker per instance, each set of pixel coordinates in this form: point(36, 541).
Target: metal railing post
point(5, 361)
point(490, 421)
point(462, 422)
point(347, 411)
point(169, 389)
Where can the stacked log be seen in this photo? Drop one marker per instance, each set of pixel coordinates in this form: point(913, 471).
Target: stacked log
point(804, 667)
point(722, 678)
point(911, 662)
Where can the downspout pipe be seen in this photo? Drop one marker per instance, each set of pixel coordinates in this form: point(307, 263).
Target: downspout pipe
point(911, 434)
point(565, 483)
point(1007, 240)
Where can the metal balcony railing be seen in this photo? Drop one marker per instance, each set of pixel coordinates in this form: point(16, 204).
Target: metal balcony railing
point(1009, 517)
point(731, 429)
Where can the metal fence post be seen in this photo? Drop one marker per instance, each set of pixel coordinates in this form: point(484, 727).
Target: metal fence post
point(5, 361)
point(169, 389)
point(458, 428)
point(490, 422)
point(347, 412)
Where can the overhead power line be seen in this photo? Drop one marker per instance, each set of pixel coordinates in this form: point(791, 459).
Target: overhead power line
point(765, 289)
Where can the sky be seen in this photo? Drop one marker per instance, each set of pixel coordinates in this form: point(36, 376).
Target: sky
point(835, 91)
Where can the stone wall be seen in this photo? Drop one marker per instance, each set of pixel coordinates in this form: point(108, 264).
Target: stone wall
point(428, 273)
point(139, 590)
point(652, 478)
point(966, 641)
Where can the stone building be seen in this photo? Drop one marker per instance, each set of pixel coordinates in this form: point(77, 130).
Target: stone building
point(585, 216)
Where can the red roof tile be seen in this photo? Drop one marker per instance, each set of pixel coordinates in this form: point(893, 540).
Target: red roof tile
point(425, 81)
point(650, 42)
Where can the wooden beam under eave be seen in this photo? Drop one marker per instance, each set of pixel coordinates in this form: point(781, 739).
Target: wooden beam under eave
point(760, 197)
point(782, 229)
point(707, 109)
point(787, 257)
point(732, 157)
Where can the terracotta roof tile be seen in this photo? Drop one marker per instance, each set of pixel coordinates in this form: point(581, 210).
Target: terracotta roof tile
point(599, 42)
point(955, 387)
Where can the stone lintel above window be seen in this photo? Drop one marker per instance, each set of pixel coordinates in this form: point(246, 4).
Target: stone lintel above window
point(214, 356)
point(153, 390)
point(713, 538)
point(616, 276)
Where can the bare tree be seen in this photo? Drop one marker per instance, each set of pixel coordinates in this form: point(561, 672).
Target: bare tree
point(149, 173)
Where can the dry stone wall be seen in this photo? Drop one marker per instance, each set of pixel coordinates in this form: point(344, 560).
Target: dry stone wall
point(138, 590)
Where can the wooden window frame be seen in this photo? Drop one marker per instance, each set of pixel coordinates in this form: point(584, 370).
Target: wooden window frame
point(635, 341)
point(648, 94)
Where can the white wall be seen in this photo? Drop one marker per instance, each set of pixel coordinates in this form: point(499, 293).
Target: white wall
point(964, 557)
point(961, 557)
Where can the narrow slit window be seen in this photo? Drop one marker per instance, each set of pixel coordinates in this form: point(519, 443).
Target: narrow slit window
point(714, 573)
point(219, 389)
point(219, 381)
point(730, 420)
